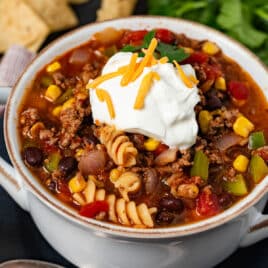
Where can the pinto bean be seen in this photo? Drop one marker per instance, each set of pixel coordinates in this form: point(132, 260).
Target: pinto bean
point(92, 162)
point(151, 180)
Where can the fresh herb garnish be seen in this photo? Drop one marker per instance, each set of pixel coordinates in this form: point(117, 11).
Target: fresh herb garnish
point(130, 48)
point(244, 20)
point(148, 38)
point(162, 49)
point(172, 52)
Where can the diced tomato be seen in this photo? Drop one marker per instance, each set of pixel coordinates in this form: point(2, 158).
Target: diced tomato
point(196, 57)
point(212, 71)
point(133, 37)
point(62, 187)
point(49, 148)
point(238, 90)
point(165, 36)
point(207, 203)
point(263, 153)
point(160, 148)
point(92, 209)
point(63, 192)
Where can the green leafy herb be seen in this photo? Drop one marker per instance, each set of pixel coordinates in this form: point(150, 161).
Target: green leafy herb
point(172, 52)
point(239, 26)
point(162, 49)
point(244, 20)
point(147, 39)
point(130, 48)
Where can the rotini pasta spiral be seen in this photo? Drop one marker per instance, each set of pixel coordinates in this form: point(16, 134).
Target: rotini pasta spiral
point(128, 182)
point(118, 146)
point(120, 211)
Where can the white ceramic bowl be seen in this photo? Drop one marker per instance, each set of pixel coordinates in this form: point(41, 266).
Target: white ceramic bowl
point(91, 243)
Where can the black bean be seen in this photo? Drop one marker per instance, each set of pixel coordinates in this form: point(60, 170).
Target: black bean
point(67, 165)
point(225, 200)
point(171, 204)
point(213, 103)
point(51, 185)
point(33, 156)
point(164, 217)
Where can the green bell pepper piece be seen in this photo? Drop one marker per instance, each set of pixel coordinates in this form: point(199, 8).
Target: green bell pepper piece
point(52, 162)
point(256, 140)
point(200, 166)
point(257, 168)
point(110, 51)
point(46, 81)
point(65, 96)
point(237, 187)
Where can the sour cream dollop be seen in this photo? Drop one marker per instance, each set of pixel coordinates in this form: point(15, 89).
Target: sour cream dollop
point(168, 114)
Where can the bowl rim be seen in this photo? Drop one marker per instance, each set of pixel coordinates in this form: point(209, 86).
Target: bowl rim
point(119, 230)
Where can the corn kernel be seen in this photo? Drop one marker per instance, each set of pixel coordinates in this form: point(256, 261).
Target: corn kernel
point(241, 163)
point(52, 92)
point(242, 126)
point(204, 118)
point(68, 104)
point(220, 83)
point(188, 50)
point(115, 174)
point(98, 183)
point(210, 48)
point(77, 184)
point(79, 152)
point(53, 67)
point(151, 144)
point(56, 111)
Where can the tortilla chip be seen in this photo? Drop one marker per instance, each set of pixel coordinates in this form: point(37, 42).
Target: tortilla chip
point(20, 25)
point(56, 13)
point(111, 9)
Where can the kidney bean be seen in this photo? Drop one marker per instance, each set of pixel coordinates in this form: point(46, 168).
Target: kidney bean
point(164, 217)
point(67, 164)
point(33, 156)
point(171, 204)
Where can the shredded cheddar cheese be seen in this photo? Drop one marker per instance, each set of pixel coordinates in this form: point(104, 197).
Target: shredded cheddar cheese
point(193, 79)
point(183, 76)
point(144, 89)
point(103, 95)
point(130, 70)
point(104, 77)
point(153, 61)
point(163, 60)
point(148, 56)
